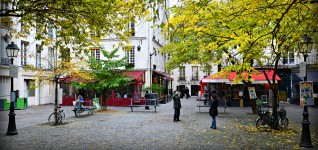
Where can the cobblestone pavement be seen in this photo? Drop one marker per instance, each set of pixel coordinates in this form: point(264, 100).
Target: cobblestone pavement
point(119, 128)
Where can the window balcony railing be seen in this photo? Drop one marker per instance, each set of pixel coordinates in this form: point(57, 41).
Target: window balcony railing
point(5, 61)
point(194, 78)
point(182, 77)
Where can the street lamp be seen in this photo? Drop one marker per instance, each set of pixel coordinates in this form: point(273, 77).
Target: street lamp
point(12, 51)
point(305, 47)
point(154, 53)
point(139, 47)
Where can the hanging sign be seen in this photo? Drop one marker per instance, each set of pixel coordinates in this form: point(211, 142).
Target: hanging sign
point(306, 93)
point(13, 71)
point(252, 93)
point(302, 69)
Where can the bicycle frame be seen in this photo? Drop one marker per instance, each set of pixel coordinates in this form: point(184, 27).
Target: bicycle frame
point(267, 119)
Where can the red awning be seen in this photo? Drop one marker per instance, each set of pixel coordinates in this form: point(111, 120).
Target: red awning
point(215, 79)
point(259, 78)
point(164, 74)
point(136, 75)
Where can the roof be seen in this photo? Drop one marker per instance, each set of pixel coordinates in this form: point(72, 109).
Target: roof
point(164, 74)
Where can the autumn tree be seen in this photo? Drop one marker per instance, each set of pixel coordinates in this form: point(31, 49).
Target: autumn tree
point(239, 33)
point(73, 25)
point(53, 69)
point(106, 74)
point(77, 23)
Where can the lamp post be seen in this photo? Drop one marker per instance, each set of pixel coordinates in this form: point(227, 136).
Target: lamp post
point(12, 51)
point(154, 53)
point(305, 47)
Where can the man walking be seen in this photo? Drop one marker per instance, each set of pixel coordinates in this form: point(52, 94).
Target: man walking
point(176, 106)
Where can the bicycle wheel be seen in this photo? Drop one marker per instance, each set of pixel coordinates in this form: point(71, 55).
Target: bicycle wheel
point(52, 119)
point(286, 120)
point(60, 118)
point(261, 124)
point(62, 114)
point(283, 123)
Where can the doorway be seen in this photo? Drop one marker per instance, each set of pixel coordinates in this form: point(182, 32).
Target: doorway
point(194, 90)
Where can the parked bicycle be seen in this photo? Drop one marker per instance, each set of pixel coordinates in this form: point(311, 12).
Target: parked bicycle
point(266, 120)
point(59, 116)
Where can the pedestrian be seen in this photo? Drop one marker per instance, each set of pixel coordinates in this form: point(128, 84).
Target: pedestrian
point(214, 110)
point(187, 92)
point(147, 97)
point(176, 106)
point(182, 93)
point(80, 101)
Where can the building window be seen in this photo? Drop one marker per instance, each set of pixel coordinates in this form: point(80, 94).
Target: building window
point(195, 73)
point(51, 58)
point(289, 59)
point(38, 56)
point(4, 58)
point(95, 53)
point(37, 29)
point(207, 72)
point(130, 54)
point(66, 55)
point(2, 48)
point(24, 52)
point(22, 26)
point(182, 73)
point(131, 27)
point(29, 87)
point(50, 31)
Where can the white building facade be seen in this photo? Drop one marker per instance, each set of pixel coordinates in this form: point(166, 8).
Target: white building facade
point(146, 42)
point(29, 53)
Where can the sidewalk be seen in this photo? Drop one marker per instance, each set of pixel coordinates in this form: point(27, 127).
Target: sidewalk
point(31, 116)
point(119, 128)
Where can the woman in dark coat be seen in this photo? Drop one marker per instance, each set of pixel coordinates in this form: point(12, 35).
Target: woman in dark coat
point(176, 106)
point(214, 110)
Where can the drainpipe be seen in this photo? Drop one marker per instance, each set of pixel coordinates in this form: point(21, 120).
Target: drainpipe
point(149, 52)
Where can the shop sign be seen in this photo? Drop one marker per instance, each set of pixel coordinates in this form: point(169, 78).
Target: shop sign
point(188, 82)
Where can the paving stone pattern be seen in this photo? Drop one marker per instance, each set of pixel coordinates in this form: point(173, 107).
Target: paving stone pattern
point(119, 128)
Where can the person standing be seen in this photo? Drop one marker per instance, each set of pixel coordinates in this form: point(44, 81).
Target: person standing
point(182, 93)
point(187, 92)
point(214, 110)
point(147, 97)
point(176, 106)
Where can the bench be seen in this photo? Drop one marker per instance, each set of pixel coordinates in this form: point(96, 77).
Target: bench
point(208, 104)
point(78, 109)
point(153, 102)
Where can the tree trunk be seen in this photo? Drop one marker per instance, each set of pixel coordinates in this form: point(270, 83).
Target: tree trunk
point(275, 104)
point(101, 101)
point(106, 101)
